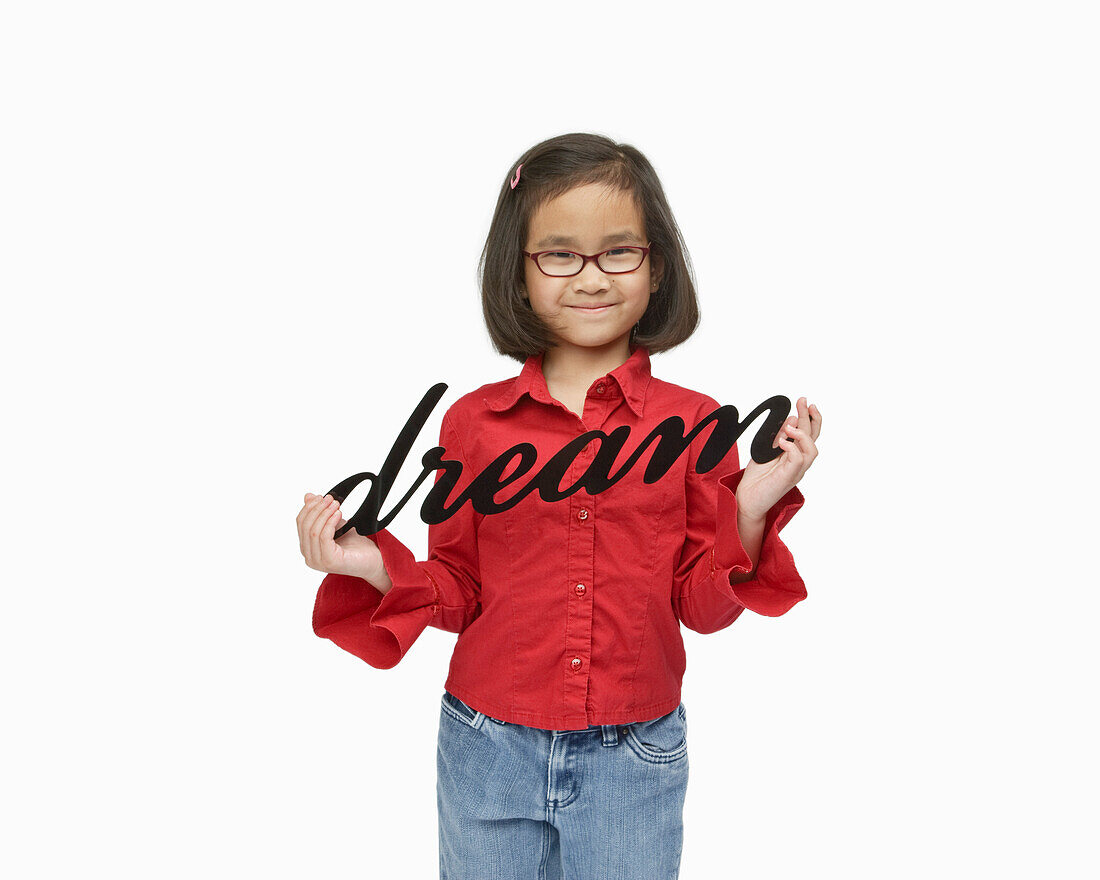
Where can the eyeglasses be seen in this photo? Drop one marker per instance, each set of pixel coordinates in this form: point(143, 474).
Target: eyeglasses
point(615, 261)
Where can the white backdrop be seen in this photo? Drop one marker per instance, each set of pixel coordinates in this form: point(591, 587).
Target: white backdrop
point(239, 242)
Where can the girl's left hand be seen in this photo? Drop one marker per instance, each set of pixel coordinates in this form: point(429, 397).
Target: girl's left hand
point(764, 484)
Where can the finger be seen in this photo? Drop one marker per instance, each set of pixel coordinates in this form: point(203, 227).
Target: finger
point(793, 462)
point(805, 444)
point(803, 414)
point(809, 453)
point(303, 520)
point(789, 444)
point(305, 507)
point(316, 547)
point(328, 545)
point(815, 422)
point(310, 512)
point(316, 508)
point(783, 429)
point(325, 512)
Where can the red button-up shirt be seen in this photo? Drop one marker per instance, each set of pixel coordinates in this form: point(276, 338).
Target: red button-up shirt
point(568, 613)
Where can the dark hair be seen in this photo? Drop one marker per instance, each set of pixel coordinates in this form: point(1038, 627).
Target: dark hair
point(549, 169)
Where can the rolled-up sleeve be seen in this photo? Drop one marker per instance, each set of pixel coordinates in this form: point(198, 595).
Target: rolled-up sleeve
point(710, 590)
point(443, 591)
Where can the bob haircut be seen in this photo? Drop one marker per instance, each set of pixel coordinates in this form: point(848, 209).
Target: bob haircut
point(550, 169)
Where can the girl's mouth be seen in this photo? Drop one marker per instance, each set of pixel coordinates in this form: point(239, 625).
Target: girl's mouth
point(598, 310)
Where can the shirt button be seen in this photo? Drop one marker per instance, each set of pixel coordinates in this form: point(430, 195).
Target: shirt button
point(600, 388)
point(582, 513)
point(579, 588)
point(576, 663)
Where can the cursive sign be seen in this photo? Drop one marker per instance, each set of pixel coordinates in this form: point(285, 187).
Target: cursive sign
point(597, 477)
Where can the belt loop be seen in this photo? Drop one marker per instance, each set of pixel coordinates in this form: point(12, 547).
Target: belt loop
point(610, 734)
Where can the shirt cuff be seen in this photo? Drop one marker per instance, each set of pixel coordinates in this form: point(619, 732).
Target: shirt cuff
point(377, 628)
point(775, 586)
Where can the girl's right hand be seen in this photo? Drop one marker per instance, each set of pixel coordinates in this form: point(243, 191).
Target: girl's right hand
point(350, 554)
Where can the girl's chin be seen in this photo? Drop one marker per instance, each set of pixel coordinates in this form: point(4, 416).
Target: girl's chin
point(593, 340)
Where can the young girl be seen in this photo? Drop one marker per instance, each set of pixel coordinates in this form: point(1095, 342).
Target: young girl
point(562, 746)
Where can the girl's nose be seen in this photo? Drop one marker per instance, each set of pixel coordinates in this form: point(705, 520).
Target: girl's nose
point(591, 278)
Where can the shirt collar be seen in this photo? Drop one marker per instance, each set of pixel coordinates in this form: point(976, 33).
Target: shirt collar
point(632, 376)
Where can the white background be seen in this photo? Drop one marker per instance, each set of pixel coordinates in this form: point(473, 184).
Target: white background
point(239, 242)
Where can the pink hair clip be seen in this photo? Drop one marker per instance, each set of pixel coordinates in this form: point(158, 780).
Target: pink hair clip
point(515, 180)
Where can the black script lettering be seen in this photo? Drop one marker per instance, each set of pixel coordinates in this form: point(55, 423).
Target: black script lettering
point(549, 478)
point(366, 521)
point(434, 508)
point(728, 428)
point(597, 477)
point(488, 482)
point(673, 441)
point(484, 486)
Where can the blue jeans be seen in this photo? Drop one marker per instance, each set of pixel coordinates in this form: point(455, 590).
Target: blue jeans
point(520, 803)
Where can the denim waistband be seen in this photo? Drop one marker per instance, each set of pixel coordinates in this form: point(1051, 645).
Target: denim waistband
point(609, 733)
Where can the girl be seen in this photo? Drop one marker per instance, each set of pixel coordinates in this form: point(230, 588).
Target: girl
point(562, 749)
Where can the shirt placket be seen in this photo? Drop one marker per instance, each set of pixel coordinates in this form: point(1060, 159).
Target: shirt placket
point(581, 583)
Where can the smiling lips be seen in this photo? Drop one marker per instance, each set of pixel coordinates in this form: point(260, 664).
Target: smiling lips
point(594, 309)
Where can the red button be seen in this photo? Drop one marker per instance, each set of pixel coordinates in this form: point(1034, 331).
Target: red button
point(582, 513)
point(576, 664)
point(600, 388)
point(579, 588)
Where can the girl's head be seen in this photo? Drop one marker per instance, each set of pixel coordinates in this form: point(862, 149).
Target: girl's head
point(584, 187)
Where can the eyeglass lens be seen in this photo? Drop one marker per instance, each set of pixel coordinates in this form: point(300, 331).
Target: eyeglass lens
point(625, 259)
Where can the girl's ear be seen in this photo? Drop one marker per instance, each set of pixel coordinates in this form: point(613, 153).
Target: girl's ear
point(656, 269)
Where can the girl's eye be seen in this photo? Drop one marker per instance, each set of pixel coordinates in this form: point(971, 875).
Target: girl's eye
point(618, 252)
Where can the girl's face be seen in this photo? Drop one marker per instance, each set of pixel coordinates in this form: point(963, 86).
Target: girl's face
point(592, 310)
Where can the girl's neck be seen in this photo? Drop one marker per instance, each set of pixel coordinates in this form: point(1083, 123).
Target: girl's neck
point(575, 366)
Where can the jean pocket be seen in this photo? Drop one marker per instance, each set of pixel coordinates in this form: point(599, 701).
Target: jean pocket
point(458, 710)
point(661, 740)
